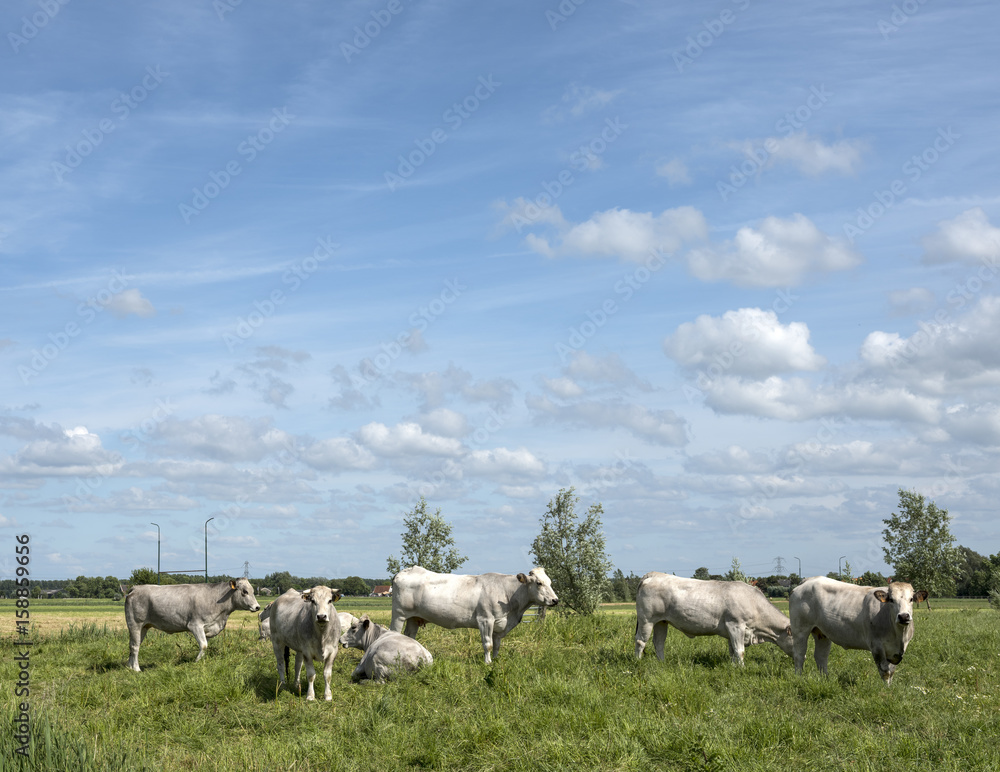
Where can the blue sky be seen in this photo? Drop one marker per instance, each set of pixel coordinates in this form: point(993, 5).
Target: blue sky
point(732, 272)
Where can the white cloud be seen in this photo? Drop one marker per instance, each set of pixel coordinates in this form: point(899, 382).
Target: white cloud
point(628, 235)
point(219, 437)
point(609, 369)
point(406, 438)
point(501, 461)
point(77, 453)
point(748, 341)
point(445, 422)
point(813, 157)
point(661, 427)
point(337, 453)
point(781, 253)
point(130, 301)
point(675, 171)
point(967, 238)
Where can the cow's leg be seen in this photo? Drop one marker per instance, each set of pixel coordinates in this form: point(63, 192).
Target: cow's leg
point(660, 630)
point(279, 655)
point(397, 622)
point(327, 675)
point(497, 637)
point(411, 627)
point(822, 653)
point(136, 635)
point(800, 645)
point(311, 677)
point(298, 671)
point(486, 633)
point(737, 635)
point(643, 629)
point(198, 631)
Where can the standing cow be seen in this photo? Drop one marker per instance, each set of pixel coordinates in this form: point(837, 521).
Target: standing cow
point(200, 609)
point(879, 620)
point(306, 623)
point(737, 611)
point(386, 653)
point(491, 603)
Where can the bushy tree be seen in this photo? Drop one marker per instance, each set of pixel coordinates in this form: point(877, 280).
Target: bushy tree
point(872, 579)
point(427, 542)
point(572, 552)
point(701, 573)
point(975, 575)
point(353, 585)
point(994, 594)
point(919, 545)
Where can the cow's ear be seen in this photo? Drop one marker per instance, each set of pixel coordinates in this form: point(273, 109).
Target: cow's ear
point(920, 596)
point(365, 622)
point(232, 584)
point(522, 578)
point(307, 595)
point(788, 630)
point(336, 595)
point(882, 595)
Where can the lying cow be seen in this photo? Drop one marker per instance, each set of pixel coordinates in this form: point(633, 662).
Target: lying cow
point(879, 620)
point(307, 624)
point(200, 609)
point(386, 653)
point(737, 611)
point(492, 603)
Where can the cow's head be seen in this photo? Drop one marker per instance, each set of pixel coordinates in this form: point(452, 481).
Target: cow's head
point(243, 595)
point(322, 600)
point(901, 596)
point(355, 635)
point(539, 587)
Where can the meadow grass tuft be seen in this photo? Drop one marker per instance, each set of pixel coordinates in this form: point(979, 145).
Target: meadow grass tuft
point(565, 693)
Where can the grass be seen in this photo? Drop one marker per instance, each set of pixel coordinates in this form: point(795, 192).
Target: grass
point(566, 693)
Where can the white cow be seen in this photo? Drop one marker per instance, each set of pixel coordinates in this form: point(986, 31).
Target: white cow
point(264, 617)
point(306, 623)
point(879, 620)
point(491, 603)
point(737, 611)
point(200, 609)
point(386, 653)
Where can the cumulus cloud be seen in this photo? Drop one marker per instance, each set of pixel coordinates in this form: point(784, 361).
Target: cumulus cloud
point(445, 422)
point(218, 437)
point(76, 452)
point(624, 234)
point(812, 156)
point(434, 387)
point(748, 341)
point(405, 439)
point(337, 454)
point(501, 462)
point(780, 253)
point(609, 369)
point(130, 301)
point(967, 238)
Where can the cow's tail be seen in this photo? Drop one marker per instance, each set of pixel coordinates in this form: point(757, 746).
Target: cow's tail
point(287, 654)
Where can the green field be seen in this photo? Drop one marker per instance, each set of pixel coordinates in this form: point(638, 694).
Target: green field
point(566, 693)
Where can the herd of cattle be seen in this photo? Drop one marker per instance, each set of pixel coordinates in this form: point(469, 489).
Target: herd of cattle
point(879, 620)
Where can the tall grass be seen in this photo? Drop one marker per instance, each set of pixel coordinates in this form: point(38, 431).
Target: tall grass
point(565, 693)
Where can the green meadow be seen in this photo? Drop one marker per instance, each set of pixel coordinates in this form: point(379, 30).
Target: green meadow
point(566, 693)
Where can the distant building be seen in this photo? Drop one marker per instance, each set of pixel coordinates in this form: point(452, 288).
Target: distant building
point(382, 591)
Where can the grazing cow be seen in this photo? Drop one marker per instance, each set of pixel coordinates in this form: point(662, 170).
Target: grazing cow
point(879, 620)
point(737, 611)
point(386, 653)
point(200, 609)
point(493, 603)
point(307, 623)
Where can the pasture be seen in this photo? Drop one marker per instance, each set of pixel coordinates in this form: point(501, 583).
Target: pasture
point(566, 693)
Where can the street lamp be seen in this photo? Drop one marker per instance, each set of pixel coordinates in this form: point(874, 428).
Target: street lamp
point(157, 551)
point(800, 567)
point(206, 547)
point(840, 572)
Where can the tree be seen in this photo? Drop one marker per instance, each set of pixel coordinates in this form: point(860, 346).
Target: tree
point(572, 553)
point(142, 576)
point(354, 585)
point(701, 573)
point(872, 579)
point(735, 573)
point(919, 545)
point(847, 575)
point(975, 575)
point(427, 542)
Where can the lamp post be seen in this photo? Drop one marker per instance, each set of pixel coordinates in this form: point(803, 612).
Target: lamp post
point(157, 551)
point(840, 572)
point(800, 568)
point(206, 547)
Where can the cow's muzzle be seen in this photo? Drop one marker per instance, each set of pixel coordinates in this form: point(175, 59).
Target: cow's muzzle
point(904, 619)
point(322, 619)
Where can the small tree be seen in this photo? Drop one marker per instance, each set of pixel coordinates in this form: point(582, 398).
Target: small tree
point(572, 553)
point(919, 545)
point(354, 585)
point(142, 576)
point(427, 542)
point(994, 595)
point(735, 573)
point(701, 573)
point(872, 579)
